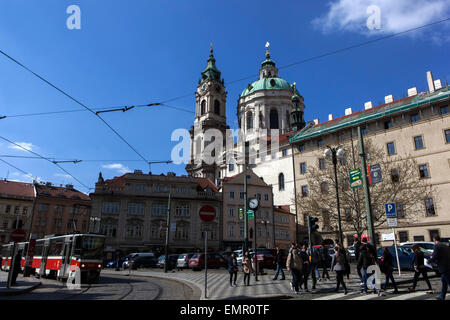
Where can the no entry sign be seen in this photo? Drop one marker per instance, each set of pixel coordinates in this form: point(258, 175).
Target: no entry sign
point(207, 213)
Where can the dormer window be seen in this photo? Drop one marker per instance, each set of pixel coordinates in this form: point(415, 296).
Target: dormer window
point(272, 82)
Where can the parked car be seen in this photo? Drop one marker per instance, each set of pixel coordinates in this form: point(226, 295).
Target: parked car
point(240, 255)
point(427, 253)
point(183, 260)
point(266, 258)
point(172, 261)
point(215, 260)
point(405, 256)
point(351, 252)
point(142, 261)
point(113, 263)
point(429, 246)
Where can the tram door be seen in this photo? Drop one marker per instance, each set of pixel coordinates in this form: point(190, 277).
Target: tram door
point(66, 258)
point(45, 251)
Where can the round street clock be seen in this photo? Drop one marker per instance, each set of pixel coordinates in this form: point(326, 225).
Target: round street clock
point(253, 203)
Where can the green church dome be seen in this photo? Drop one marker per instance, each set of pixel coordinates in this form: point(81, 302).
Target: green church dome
point(268, 84)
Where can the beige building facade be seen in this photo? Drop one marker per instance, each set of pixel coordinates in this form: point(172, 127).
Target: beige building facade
point(285, 227)
point(262, 227)
point(416, 127)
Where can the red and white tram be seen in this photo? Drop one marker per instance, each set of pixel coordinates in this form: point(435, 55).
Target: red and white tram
point(57, 256)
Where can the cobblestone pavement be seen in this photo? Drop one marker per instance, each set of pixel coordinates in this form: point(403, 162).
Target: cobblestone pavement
point(219, 287)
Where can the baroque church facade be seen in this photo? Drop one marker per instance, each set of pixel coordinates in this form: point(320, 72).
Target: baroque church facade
point(270, 105)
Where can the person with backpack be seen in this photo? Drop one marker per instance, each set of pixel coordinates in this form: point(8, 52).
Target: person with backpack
point(419, 269)
point(338, 264)
point(387, 267)
point(315, 261)
point(294, 264)
point(278, 260)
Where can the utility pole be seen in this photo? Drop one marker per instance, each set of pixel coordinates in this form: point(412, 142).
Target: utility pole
point(368, 204)
point(167, 236)
point(245, 211)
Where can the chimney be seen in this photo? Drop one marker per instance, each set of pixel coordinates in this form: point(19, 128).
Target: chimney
point(348, 111)
point(437, 84)
point(330, 117)
point(430, 81)
point(316, 121)
point(69, 186)
point(368, 105)
point(389, 98)
point(412, 92)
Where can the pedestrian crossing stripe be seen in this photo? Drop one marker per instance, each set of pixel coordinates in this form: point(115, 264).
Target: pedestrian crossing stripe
point(331, 297)
point(410, 295)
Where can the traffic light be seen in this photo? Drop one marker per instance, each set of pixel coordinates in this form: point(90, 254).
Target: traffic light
point(312, 226)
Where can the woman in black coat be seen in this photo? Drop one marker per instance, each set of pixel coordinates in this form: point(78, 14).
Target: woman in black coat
point(387, 267)
point(419, 269)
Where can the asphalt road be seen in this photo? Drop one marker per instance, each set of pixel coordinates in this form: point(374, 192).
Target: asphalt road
point(112, 287)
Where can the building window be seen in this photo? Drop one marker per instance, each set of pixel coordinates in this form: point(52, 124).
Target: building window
point(83, 225)
point(304, 191)
point(418, 238)
point(231, 212)
point(444, 110)
point(43, 207)
point(394, 175)
point(259, 214)
point(388, 124)
point(259, 231)
point(110, 207)
point(16, 209)
point(182, 232)
point(203, 107)
point(135, 208)
point(418, 142)
point(258, 196)
point(138, 187)
point(231, 230)
point(109, 230)
point(400, 210)
point(281, 182)
point(364, 131)
point(182, 210)
point(403, 236)
point(391, 148)
point(341, 138)
point(423, 171)
point(320, 143)
point(134, 231)
point(321, 163)
point(231, 167)
point(323, 187)
point(241, 195)
point(241, 231)
point(231, 194)
point(414, 117)
point(266, 197)
point(249, 120)
point(273, 116)
point(161, 189)
point(433, 233)
point(217, 107)
point(59, 209)
point(7, 208)
point(303, 167)
point(24, 210)
point(159, 209)
point(429, 207)
point(301, 148)
point(447, 135)
point(284, 152)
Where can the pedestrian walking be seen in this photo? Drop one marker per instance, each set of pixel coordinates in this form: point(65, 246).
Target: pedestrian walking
point(247, 268)
point(232, 268)
point(294, 265)
point(419, 269)
point(357, 246)
point(387, 267)
point(365, 260)
point(315, 261)
point(441, 256)
point(325, 259)
point(305, 269)
point(15, 271)
point(278, 261)
point(338, 264)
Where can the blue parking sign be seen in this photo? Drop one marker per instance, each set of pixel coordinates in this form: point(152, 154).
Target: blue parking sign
point(390, 209)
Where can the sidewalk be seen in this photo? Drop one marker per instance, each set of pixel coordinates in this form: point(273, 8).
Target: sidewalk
point(23, 285)
point(265, 288)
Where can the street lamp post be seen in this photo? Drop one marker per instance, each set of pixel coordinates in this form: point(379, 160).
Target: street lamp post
point(336, 153)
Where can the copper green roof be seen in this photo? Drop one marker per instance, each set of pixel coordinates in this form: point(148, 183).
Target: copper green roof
point(211, 72)
point(267, 84)
point(364, 116)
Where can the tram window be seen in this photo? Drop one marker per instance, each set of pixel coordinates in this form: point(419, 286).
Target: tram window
point(38, 248)
point(56, 247)
point(78, 245)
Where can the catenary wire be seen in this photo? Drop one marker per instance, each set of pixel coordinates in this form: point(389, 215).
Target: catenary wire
point(13, 166)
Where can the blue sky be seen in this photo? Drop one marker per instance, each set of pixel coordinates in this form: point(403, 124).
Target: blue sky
point(139, 52)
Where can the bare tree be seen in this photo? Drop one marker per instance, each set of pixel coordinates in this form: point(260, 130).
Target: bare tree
point(401, 184)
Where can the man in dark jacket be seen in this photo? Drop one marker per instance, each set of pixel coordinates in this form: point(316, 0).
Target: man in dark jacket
point(441, 256)
point(305, 268)
point(16, 269)
point(325, 259)
point(279, 261)
point(232, 268)
point(365, 260)
point(357, 246)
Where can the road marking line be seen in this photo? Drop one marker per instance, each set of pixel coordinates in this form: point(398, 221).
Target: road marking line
point(408, 295)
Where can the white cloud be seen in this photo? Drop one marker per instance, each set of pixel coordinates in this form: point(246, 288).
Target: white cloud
point(62, 175)
point(27, 145)
point(118, 167)
point(395, 16)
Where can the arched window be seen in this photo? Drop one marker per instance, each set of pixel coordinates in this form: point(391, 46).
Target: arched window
point(281, 182)
point(274, 119)
point(217, 107)
point(249, 120)
point(203, 108)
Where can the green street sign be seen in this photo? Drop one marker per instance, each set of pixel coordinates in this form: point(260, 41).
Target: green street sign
point(241, 213)
point(355, 178)
point(251, 214)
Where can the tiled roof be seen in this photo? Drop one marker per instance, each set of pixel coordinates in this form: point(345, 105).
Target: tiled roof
point(363, 116)
point(18, 189)
point(207, 183)
point(60, 192)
